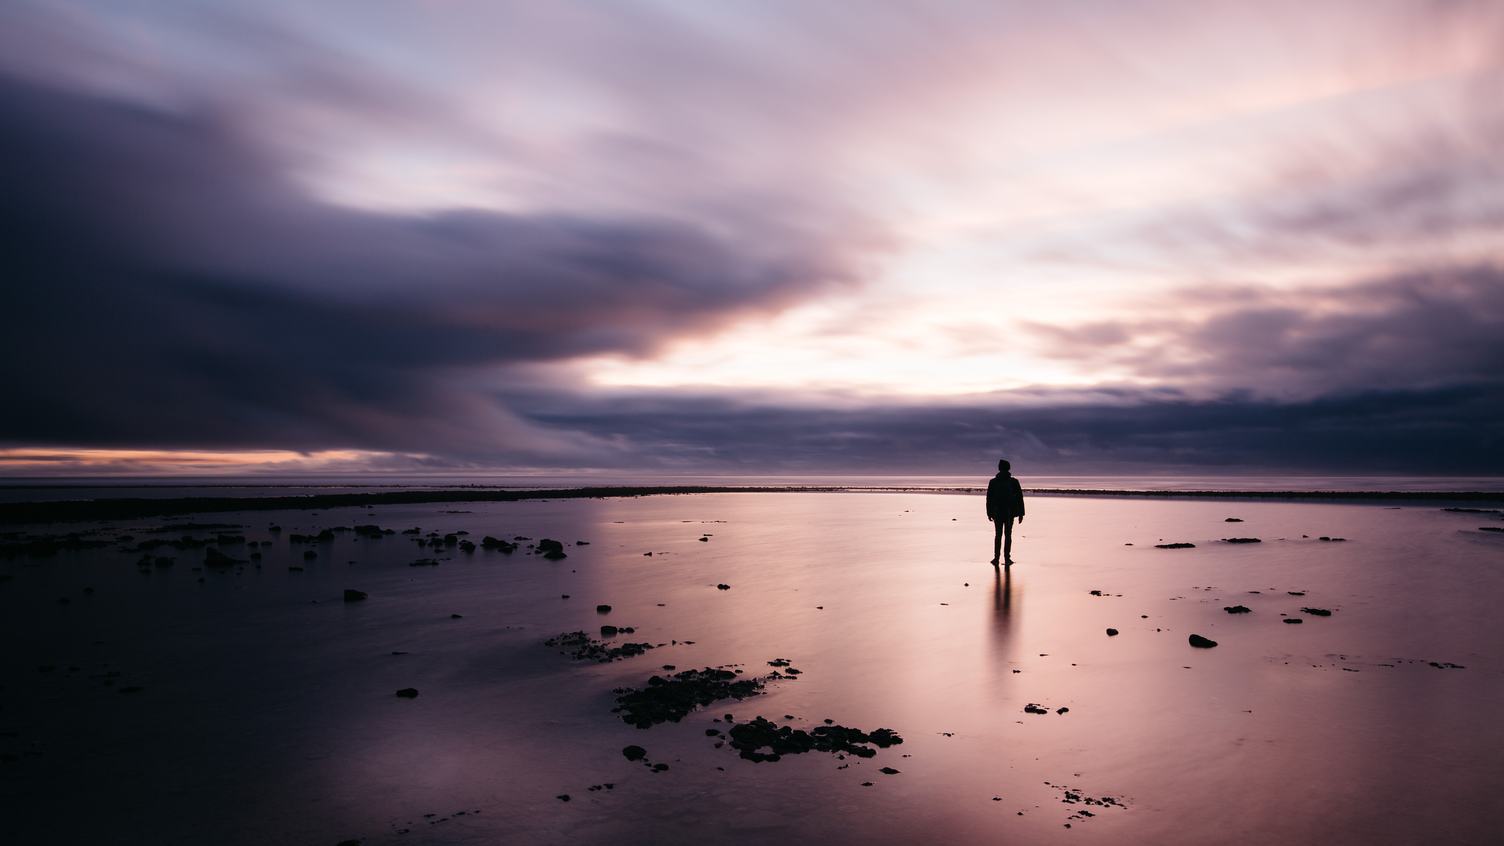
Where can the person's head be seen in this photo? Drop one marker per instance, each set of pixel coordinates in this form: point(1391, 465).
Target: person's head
point(1003, 466)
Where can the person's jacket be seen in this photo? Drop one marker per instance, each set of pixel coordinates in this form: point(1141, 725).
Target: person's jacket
point(1005, 497)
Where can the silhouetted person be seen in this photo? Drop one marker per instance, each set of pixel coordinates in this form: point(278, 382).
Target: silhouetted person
point(1005, 501)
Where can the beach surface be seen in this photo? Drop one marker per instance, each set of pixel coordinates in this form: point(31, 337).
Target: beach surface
point(155, 692)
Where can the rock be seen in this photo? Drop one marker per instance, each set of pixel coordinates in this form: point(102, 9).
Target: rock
point(1294, 621)
point(1181, 545)
point(551, 549)
point(562, 797)
point(424, 562)
point(1490, 529)
point(1112, 632)
point(1237, 609)
point(214, 558)
point(489, 542)
point(1201, 642)
point(603, 609)
point(723, 586)
point(408, 693)
point(608, 631)
point(888, 771)
point(1096, 593)
point(634, 753)
point(1241, 540)
point(1062, 710)
point(1035, 708)
point(352, 595)
point(1316, 612)
point(1331, 539)
point(1233, 520)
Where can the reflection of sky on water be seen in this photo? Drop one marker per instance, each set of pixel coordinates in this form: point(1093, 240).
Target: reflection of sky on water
point(267, 710)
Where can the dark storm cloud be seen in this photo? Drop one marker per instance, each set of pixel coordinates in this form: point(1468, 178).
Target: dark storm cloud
point(1417, 330)
point(1454, 430)
point(165, 284)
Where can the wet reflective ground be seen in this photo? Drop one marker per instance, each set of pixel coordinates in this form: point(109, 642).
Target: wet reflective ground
point(265, 710)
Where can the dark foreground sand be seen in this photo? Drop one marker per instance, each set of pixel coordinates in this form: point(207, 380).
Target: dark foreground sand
point(245, 701)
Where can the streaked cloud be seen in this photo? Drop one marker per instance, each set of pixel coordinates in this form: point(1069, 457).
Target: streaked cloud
point(492, 234)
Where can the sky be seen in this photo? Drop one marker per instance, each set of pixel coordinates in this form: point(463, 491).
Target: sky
point(751, 237)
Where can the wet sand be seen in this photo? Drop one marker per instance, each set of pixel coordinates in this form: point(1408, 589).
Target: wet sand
point(254, 704)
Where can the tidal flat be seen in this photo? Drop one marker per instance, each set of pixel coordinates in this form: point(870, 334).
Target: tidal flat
point(831, 667)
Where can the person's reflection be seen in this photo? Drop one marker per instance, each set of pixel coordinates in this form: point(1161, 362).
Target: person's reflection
point(1002, 596)
point(1002, 621)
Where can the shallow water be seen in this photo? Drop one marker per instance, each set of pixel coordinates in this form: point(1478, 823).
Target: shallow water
point(266, 711)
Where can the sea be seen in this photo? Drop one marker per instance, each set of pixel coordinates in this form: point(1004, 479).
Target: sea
point(35, 489)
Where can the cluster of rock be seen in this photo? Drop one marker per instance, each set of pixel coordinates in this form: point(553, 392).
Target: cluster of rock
point(671, 698)
point(580, 646)
point(763, 740)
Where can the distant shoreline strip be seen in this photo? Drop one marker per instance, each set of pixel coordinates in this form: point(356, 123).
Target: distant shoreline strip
point(138, 507)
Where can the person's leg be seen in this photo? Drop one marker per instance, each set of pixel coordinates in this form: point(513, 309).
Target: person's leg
point(997, 539)
point(1007, 529)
